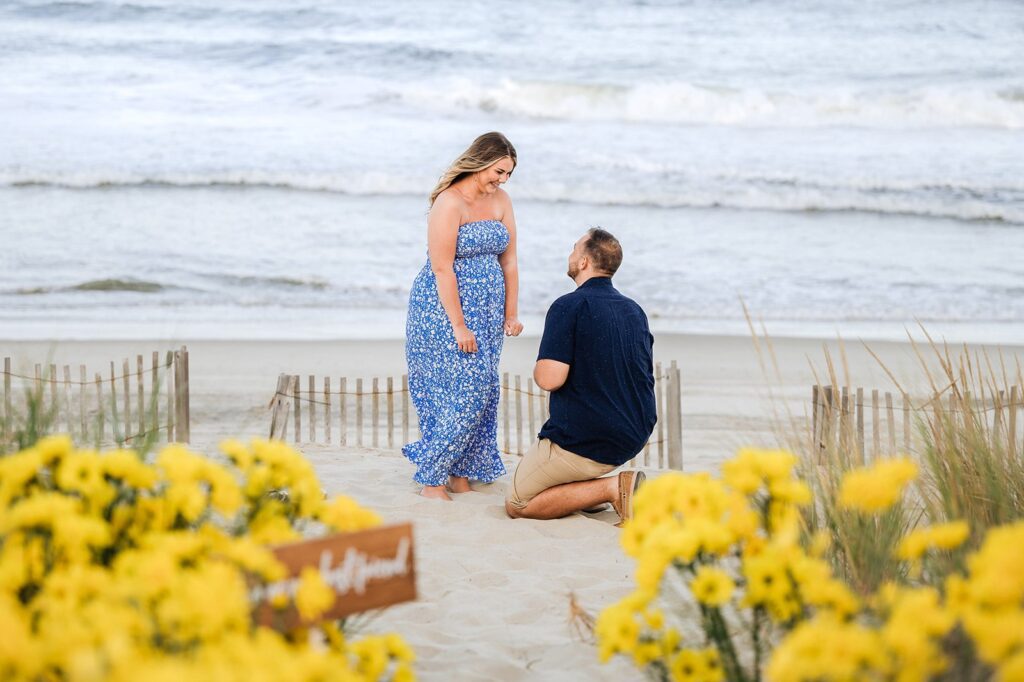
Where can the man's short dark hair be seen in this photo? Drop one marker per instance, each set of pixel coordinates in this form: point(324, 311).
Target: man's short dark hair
point(604, 250)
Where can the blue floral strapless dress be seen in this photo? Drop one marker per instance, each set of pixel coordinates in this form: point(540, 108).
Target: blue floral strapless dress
point(456, 393)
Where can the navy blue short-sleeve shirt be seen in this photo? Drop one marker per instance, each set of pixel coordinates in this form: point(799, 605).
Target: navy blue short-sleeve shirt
point(605, 411)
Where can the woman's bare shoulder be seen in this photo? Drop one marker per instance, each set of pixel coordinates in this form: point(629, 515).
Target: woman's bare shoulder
point(448, 205)
point(503, 203)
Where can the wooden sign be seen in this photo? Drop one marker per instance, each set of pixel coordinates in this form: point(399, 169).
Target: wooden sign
point(367, 570)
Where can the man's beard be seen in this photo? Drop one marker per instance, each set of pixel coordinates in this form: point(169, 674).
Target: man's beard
point(573, 270)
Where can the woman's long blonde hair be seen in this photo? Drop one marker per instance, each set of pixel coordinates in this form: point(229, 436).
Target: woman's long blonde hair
point(484, 152)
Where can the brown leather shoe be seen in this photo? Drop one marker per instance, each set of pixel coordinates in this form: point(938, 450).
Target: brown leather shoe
point(629, 483)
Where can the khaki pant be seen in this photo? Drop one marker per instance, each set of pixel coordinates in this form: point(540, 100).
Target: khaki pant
point(547, 465)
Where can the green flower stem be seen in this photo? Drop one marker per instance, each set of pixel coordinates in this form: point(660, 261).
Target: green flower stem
point(757, 643)
point(718, 632)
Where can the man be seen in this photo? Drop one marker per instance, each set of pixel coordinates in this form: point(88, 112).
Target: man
point(596, 359)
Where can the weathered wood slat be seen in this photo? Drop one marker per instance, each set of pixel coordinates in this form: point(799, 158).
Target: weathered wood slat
point(519, 416)
point(891, 420)
point(327, 409)
point(297, 407)
point(532, 424)
point(860, 423)
point(876, 432)
point(186, 392)
point(99, 407)
point(375, 437)
point(312, 409)
point(54, 404)
point(115, 418)
point(141, 395)
point(127, 384)
point(505, 411)
point(342, 405)
point(154, 394)
point(391, 412)
point(172, 410)
point(659, 402)
point(82, 401)
point(359, 412)
point(66, 400)
point(674, 421)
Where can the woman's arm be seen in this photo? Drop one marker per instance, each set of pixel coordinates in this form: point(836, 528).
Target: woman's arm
point(510, 267)
point(442, 238)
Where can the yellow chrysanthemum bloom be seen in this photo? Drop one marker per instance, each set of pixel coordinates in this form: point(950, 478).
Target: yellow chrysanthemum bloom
point(941, 536)
point(344, 514)
point(618, 629)
point(878, 487)
point(712, 586)
point(696, 665)
point(313, 596)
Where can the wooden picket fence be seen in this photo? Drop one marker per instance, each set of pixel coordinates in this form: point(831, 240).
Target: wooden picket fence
point(378, 412)
point(83, 409)
point(845, 416)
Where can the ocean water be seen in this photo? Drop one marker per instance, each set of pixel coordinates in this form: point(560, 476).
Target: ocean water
point(261, 169)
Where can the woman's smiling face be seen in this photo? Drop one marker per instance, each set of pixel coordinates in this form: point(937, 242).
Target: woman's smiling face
point(495, 175)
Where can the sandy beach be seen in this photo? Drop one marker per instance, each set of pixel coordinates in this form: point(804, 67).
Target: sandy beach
point(494, 593)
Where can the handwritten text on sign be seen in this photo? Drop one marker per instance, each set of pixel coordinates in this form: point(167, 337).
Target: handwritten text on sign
point(367, 570)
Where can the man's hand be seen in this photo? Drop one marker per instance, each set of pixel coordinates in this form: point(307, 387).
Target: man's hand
point(513, 327)
point(550, 374)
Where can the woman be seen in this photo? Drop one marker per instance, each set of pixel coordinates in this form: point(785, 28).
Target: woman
point(461, 302)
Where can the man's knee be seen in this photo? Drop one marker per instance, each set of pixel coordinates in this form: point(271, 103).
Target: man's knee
point(512, 510)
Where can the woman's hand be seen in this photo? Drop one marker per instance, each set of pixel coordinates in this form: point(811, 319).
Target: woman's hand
point(465, 338)
point(513, 327)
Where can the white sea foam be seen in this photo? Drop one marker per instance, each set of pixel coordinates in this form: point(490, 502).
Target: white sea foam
point(1003, 204)
point(701, 104)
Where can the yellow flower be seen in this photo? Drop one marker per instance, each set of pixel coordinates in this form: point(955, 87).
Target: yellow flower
point(82, 472)
point(313, 596)
point(940, 536)
point(271, 528)
point(776, 464)
point(52, 449)
point(126, 465)
point(826, 648)
point(617, 629)
point(398, 648)
point(1012, 669)
point(712, 586)
point(17, 471)
point(742, 474)
point(344, 514)
point(372, 657)
point(996, 634)
point(997, 568)
point(225, 495)
point(693, 665)
point(766, 578)
point(237, 452)
point(878, 487)
point(791, 491)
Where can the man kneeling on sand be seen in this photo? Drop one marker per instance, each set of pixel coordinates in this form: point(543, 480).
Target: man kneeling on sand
point(596, 359)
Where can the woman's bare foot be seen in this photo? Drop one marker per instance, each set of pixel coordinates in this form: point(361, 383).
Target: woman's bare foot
point(459, 484)
point(436, 492)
